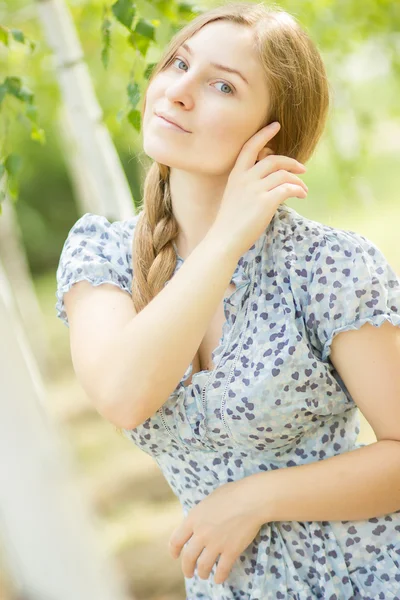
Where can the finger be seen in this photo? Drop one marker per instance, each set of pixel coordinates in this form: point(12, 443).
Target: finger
point(190, 554)
point(224, 567)
point(206, 561)
point(264, 153)
point(269, 164)
point(285, 191)
point(280, 177)
point(179, 538)
point(248, 154)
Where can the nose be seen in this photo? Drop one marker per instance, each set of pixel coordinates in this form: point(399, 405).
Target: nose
point(182, 91)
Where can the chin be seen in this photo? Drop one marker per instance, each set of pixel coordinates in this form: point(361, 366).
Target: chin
point(161, 153)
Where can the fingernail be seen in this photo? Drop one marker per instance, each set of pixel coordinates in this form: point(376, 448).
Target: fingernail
point(274, 125)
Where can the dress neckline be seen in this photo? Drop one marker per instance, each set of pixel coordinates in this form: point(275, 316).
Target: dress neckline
point(241, 278)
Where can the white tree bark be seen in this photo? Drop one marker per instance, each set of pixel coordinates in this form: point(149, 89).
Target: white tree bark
point(15, 263)
point(110, 194)
point(47, 529)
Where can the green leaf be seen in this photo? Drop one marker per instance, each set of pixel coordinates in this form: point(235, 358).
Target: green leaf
point(18, 35)
point(31, 112)
point(3, 92)
point(145, 28)
point(124, 11)
point(148, 70)
point(106, 39)
point(139, 42)
point(120, 115)
point(13, 85)
point(4, 35)
point(188, 11)
point(2, 170)
point(38, 135)
point(18, 90)
point(13, 189)
point(26, 95)
point(134, 95)
point(167, 9)
point(13, 163)
point(2, 198)
point(134, 118)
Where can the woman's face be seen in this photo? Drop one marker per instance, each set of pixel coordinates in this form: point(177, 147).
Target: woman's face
point(219, 109)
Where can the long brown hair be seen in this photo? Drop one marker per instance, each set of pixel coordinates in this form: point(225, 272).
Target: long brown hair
point(299, 92)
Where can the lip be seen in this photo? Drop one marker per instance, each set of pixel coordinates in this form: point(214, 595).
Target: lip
point(171, 122)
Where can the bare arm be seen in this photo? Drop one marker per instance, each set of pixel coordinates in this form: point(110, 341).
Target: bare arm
point(131, 365)
point(152, 351)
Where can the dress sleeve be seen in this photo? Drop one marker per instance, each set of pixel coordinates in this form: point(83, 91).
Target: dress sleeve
point(351, 284)
point(95, 251)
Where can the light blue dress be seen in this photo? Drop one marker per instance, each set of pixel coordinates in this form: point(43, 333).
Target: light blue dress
point(273, 401)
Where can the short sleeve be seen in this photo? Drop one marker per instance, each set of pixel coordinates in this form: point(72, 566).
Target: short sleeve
point(97, 251)
point(351, 284)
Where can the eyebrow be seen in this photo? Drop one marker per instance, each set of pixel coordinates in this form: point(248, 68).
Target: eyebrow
point(218, 66)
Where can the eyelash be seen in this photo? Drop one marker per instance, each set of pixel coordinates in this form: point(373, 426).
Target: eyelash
point(228, 84)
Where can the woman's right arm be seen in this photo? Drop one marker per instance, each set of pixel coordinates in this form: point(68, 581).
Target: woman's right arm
point(140, 358)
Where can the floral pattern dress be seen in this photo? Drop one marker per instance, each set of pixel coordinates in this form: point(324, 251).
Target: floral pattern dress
point(273, 401)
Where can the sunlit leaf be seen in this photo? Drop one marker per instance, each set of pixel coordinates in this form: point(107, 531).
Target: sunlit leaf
point(18, 35)
point(38, 135)
point(15, 87)
point(134, 118)
point(31, 112)
point(13, 163)
point(124, 11)
point(120, 115)
point(188, 11)
point(139, 42)
point(3, 92)
point(145, 28)
point(133, 93)
point(4, 35)
point(106, 39)
point(148, 70)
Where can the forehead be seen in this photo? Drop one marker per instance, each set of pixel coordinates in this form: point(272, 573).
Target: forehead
point(230, 43)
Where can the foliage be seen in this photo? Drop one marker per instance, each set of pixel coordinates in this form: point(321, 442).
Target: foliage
point(123, 40)
point(12, 89)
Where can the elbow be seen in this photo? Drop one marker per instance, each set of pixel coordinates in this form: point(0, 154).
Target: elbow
point(115, 416)
point(122, 412)
point(119, 420)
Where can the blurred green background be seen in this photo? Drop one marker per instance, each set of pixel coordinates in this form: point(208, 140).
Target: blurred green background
point(353, 182)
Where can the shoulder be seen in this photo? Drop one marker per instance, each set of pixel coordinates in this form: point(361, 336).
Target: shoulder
point(99, 228)
point(95, 237)
point(339, 279)
point(308, 248)
point(97, 251)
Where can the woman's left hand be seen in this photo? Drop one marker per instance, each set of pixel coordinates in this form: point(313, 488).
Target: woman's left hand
point(223, 523)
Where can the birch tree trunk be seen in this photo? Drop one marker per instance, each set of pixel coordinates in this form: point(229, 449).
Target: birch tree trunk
point(15, 264)
point(110, 194)
point(46, 527)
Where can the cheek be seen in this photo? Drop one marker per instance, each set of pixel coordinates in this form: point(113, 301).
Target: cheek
point(224, 138)
point(228, 128)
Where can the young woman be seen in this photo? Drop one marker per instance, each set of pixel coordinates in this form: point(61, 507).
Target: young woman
point(242, 377)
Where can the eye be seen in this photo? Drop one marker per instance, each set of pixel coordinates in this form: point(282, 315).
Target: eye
point(223, 82)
